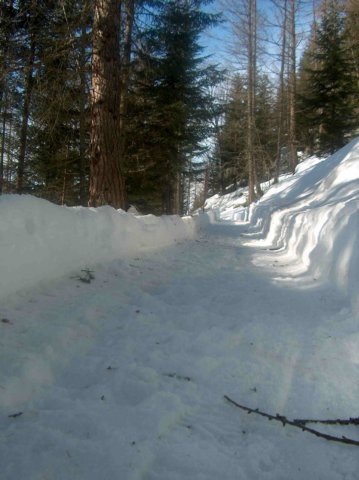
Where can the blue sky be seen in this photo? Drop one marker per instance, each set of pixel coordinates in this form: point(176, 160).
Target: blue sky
point(218, 40)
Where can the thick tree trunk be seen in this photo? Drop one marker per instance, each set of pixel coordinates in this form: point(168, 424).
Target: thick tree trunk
point(107, 184)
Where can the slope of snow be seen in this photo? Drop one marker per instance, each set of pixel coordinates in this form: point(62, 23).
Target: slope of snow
point(41, 241)
point(124, 376)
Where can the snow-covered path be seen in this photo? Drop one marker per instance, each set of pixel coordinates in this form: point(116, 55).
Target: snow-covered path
point(126, 378)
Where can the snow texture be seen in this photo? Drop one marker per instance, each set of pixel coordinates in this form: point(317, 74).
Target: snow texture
point(120, 335)
point(42, 241)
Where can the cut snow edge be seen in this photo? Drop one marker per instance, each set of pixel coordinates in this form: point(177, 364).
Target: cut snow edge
point(40, 241)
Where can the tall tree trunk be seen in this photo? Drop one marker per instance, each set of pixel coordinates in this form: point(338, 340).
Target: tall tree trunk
point(251, 69)
point(29, 84)
point(259, 192)
point(293, 157)
point(167, 196)
point(107, 185)
point(281, 91)
point(3, 132)
point(82, 119)
point(176, 210)
point(9, 154)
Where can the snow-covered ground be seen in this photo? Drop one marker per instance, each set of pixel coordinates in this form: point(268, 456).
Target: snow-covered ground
point(120, 336)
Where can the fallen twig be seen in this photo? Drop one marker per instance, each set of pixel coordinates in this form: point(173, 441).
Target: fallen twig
point(294, 423)
point(177, 377)
point(337, 421)
point(15, 415)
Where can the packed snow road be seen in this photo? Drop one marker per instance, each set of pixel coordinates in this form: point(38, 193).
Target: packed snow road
point(123, 376)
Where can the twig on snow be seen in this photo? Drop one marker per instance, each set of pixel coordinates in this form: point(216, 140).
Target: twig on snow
point(337, 421)
point(15, 415)
point(294, 423)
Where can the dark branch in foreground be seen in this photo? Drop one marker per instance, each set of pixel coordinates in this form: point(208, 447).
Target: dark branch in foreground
point(337, 421)
point(297, 423)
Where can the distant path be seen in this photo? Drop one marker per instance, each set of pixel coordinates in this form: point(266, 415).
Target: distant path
point(127, 373)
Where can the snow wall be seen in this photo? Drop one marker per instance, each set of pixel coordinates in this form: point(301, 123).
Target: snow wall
point(309, 219)
point(313, 218)
point(41, 241)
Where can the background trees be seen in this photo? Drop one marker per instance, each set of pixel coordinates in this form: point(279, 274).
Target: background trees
point(118, 86)
point(329, 93)
point(310, 109)
point(139, 115)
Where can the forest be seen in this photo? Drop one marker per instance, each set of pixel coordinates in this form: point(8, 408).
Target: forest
point(117, 101)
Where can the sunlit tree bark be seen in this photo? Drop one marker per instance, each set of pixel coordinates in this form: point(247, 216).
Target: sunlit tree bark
point(107, 185)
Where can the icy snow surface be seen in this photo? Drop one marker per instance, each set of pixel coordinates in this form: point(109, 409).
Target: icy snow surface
point(124, 377)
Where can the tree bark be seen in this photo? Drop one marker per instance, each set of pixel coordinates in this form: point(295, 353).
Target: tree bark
point(107, 185)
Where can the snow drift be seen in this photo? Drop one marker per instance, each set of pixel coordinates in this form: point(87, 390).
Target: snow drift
point(311, 219)
point(40, 241)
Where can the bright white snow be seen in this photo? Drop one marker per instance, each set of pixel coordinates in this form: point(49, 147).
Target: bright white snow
point(124, 377)
point(41, 241)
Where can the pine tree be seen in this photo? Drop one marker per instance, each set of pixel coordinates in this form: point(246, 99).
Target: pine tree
point(170, 100)
point(331, 82)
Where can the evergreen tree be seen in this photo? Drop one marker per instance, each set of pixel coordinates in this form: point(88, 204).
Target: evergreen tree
point(60, 128)
point(331, 84)
point(44, 100)
point(170, 100)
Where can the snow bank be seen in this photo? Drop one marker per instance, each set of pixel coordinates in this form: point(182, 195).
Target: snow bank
point(310, 218)
point(40, 240)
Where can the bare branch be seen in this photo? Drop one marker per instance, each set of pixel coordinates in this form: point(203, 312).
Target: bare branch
point(295, 423)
